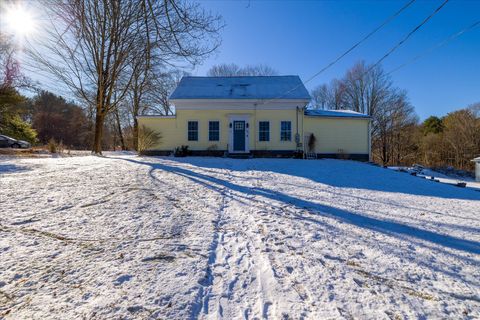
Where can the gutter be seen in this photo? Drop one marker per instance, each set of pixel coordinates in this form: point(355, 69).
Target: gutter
point(340, 117)
point(157, 116)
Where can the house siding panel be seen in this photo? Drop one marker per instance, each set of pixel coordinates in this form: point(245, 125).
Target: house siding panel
point(174, 130)
point(335, 137)
point(338, 135)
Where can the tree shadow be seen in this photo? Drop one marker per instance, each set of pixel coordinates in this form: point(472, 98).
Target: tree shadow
point(11, 168)
point(342, 174)
point(388, 227)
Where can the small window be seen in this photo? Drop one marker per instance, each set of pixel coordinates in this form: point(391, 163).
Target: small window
point(239, 125)
point(286, 131)
point(214, 131)
point(264, 131)
point(192, 130)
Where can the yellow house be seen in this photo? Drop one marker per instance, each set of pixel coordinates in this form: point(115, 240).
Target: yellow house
point(257, 116)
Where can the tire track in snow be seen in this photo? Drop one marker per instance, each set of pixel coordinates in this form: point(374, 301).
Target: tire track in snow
point(201, 303)
point(243, 283)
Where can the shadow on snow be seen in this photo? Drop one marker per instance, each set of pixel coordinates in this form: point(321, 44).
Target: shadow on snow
point(384, 226)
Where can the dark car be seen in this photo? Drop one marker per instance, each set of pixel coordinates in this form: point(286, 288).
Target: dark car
point(8, 142)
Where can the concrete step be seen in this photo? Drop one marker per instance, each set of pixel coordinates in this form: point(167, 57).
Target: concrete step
point(240, 155)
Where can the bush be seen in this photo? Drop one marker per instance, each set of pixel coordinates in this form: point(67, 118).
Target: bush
point(298, 154)
point(16, 128)
point(54, 147)
point(181, 151)
point(341, 154)
point(212, 151)
point(311, 142)
point(147, 138)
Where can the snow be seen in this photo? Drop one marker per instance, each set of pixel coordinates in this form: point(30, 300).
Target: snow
point(242, 87)
point(133, 237)
point(435, 176)
point(335, 113)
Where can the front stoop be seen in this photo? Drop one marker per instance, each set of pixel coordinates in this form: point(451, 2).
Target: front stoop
point(240, 155)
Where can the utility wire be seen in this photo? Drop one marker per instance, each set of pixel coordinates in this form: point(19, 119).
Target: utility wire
point(361, 41)
point(438, 45)
point(395, 47)
point(383, 24)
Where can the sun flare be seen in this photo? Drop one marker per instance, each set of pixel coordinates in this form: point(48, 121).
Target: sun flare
point(18, 20)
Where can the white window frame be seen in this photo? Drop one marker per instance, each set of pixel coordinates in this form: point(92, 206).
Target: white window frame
point(269, 131)
point(291, 129)
point(219, 129)
point(198, 130)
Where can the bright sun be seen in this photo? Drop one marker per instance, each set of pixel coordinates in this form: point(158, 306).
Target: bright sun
point(18, 20)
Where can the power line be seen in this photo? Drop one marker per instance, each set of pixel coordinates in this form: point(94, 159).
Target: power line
point(361, 41)
point(384, 23)
point(395, 47)
point(438, 45)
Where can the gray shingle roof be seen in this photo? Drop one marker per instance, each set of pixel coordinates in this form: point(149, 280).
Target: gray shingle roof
point(335, 114)
point(248, 87)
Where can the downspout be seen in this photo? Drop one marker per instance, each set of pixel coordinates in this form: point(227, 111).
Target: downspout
point(297, 137)
point(370, 140)
point(303, 130)
point(255, 134)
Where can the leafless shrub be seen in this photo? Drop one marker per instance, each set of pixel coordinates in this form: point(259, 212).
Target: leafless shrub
point(55, 147)
point(312, 140)
point(147, 139)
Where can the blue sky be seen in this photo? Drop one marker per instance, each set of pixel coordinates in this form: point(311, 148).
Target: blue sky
point(300, 37)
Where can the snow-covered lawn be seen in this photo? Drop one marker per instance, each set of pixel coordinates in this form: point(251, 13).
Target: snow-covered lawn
point(130, 237)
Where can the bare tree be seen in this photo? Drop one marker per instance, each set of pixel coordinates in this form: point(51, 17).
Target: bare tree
point(10, 73)
point(231, 70)
point(224, 70)
point(150, 90)
point(320, 97)
point(163, 87)
point(258, 70)
point(368, 90)
point(392, 125)
point(462, 136)
point(93, 48)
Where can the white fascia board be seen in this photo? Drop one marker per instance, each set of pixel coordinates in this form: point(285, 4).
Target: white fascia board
point(157, 116)
point(342, 117)
point(240, 104)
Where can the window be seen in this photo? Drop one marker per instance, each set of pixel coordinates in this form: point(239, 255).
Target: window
point(286, 131)
point(192, 130)
point(264, 131)
point(213, 130)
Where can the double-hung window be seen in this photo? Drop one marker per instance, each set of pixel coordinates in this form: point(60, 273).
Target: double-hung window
point(214, 130)
point(192, 130)
point(286, 131)
point(264, 131)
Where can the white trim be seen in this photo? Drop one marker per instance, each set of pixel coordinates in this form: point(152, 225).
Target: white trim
point(157, 116)
point(339, 118)
point(258, 101)
point(236, 104)
point(238, 117)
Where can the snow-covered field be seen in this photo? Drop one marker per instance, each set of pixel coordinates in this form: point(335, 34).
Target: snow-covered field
point(130, 237)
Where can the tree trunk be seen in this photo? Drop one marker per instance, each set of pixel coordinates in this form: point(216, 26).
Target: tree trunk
point(135, 133)
point(119, 127)
point(97, 141)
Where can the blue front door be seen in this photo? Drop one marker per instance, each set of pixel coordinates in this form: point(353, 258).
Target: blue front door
point(238, 135)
